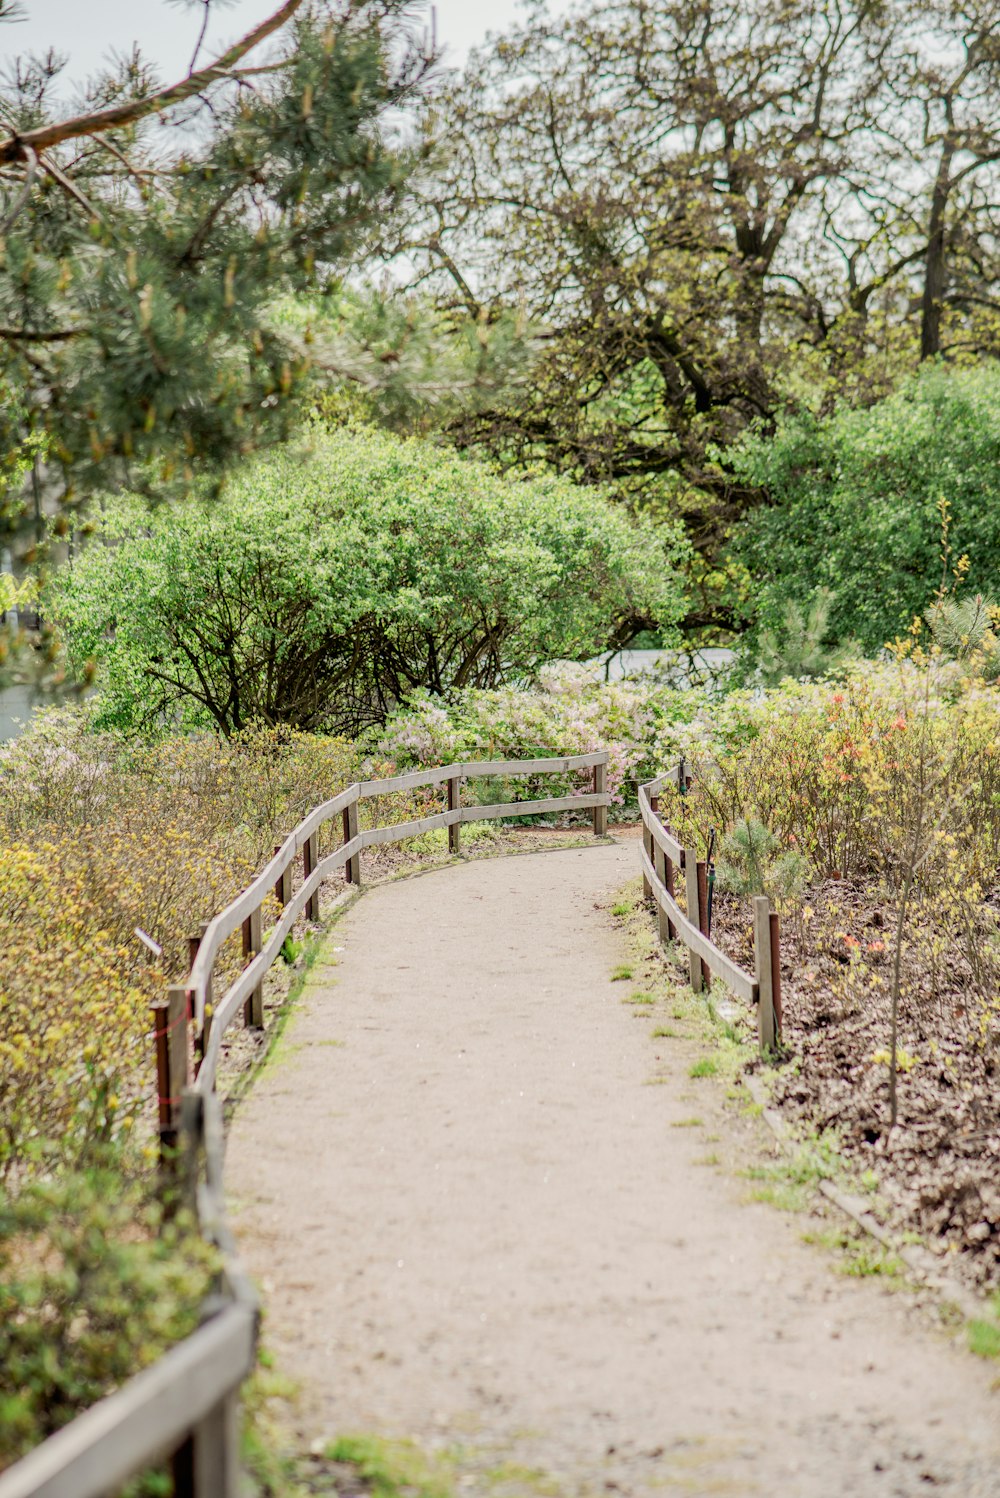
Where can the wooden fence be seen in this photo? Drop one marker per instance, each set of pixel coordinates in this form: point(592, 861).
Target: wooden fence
point(663, 860)
point(184, 1408)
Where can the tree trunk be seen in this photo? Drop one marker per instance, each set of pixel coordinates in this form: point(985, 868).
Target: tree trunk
point(935, 261)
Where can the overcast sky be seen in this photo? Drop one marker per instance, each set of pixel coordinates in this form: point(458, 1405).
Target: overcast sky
point(89, 29)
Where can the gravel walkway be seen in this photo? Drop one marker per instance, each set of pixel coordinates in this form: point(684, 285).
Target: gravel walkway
point(475, 1225)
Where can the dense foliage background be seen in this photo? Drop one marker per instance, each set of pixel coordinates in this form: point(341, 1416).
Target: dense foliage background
point(877, 505)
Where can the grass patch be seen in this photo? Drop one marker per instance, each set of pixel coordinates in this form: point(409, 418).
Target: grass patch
point(686, 1123)
point(784, 1195)
point(622, 908)
point(705, 1066)
point(640, 997)
point(860, 1256)
point(620, 973)
point(516, 1479)
point(789, 1183)
point(709, 1159)
point(392, 1469)
point(291, 950)
point(664, 1032)
point(983, 1338)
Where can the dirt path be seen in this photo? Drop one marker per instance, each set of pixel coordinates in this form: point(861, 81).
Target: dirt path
point(475, 1224)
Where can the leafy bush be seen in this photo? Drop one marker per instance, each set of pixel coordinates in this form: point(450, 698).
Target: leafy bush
point(638, 721)
point(95, 1283)
point(329, 586)
point(856, 499)
point(99, 836)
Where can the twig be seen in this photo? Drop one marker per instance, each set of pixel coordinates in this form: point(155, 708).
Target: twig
point(25, 192)
point(15, 146)
point(68, 187)
point(206, 5)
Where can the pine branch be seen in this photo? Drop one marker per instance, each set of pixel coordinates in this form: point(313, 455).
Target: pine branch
point(14, 148)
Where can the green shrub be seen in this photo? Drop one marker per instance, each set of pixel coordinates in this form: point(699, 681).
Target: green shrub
point(330, 584)
point(855, 504)
point(96, 1282)
point(749, 866)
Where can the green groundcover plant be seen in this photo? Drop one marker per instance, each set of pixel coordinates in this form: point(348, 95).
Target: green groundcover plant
point(331, 582)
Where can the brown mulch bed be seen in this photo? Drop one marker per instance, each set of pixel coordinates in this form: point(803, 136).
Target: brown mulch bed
point(938, 1170)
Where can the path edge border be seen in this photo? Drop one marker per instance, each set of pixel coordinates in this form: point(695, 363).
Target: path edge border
point(919, 1260)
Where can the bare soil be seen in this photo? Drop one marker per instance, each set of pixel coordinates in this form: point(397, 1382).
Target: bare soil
point(476, 1224)
point(938, 1170)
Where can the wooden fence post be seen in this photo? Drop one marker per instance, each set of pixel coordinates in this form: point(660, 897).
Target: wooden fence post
point(763, 971)
point(454, 802)
point(216, 1454)
point(170, 1018)
point(206, 1465)
point(693, 915)
point(253, 1009)
point(703, 913)
point(600, 812)
point(776, 973)
point(663, 924)
point(283, 883)
point(668, 879)
point(201, 1040)
point(650, 848)
point(310, 858)
point(352, 872)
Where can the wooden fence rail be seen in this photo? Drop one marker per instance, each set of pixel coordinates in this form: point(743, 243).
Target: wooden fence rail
point(184, 1407)
point(662, 856)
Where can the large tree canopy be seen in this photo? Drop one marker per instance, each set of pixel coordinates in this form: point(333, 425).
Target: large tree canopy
point(145, 238)
point(322, 588)
point(706, 205)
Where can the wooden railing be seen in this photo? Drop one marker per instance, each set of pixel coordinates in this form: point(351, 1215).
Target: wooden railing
point(213, 1019)
point(183, 1409)
point(663, 859)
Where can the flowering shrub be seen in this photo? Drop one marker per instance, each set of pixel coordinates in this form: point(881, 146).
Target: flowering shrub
point(885, 786)
point(830, 770)
point(637, 721)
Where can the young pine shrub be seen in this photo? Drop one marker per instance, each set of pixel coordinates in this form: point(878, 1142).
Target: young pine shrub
point(749, 865)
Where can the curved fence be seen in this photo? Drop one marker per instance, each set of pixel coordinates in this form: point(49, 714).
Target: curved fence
point(663, 859)
point(184, 1407)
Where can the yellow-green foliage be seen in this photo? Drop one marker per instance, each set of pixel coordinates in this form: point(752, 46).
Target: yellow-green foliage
point(98, 837)
point(890, 780)
point(74, 1021)
point(833, 771)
